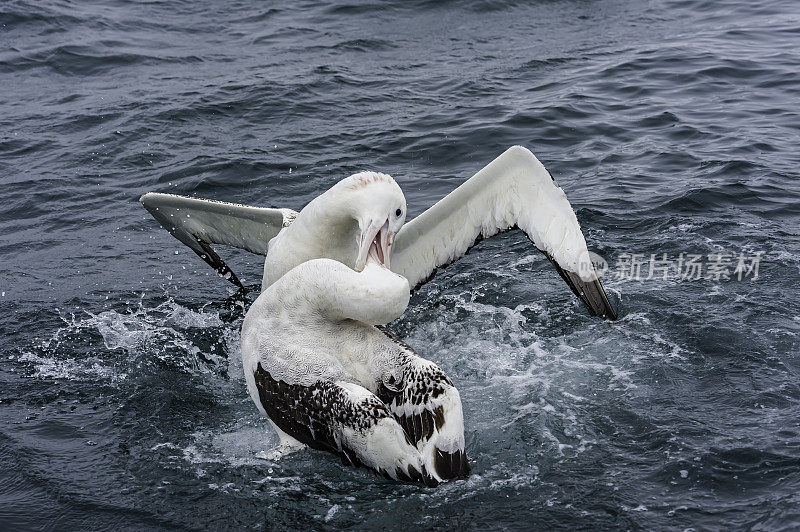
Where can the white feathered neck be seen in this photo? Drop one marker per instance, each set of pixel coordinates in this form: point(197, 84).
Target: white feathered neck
point(328, 226)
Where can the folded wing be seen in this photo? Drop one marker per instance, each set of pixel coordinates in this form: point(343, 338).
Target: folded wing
point(344, 419)
point(198, 223)
point(513, 191)
point(425, 403)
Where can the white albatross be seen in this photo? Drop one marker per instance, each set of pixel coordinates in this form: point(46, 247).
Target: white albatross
point(513, 191)
point(322, 372)
point(316, 362)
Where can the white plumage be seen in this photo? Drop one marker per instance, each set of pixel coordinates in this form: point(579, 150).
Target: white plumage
point(314, 360)
point(352, 387)
point(513, 190)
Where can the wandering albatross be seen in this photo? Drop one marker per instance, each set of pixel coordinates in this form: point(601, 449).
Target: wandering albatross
point(317, 361)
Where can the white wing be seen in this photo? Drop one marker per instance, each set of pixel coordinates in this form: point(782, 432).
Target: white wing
point(514, 190)
point(199, 223)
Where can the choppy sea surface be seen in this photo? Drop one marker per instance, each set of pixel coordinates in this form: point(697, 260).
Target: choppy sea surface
point(673, 127)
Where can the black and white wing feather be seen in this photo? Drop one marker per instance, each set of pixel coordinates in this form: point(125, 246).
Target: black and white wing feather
point(428, 407)
point(514, 190)
point(344, 419)
point(198, 223)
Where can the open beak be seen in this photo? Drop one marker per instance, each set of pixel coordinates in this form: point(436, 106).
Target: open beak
point(375, 245)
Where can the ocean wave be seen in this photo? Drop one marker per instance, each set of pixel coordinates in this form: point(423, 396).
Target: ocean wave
point(86, 60)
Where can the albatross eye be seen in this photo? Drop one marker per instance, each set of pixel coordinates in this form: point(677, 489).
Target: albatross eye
point(398, 212)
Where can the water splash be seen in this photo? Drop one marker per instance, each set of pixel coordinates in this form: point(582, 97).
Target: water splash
point(112, 343)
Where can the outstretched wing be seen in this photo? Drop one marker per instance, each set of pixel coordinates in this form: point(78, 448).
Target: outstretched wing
point(198, 223)
point(514, 190)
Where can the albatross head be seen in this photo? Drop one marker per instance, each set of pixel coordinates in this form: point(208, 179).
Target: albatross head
point(379, 208)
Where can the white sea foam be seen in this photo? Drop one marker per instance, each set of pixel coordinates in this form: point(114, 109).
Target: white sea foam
point(228, 449)
point(72, 369)
point(157, 332)
point(331, 512)
point(516, 377)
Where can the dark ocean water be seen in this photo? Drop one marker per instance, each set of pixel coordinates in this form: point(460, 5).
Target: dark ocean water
point(673, 126)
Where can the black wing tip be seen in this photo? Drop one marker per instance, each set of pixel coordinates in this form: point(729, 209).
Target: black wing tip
point(591, 293)
point(451, 466)
point(605, 310)
point(211, 258)
point(413, 475)
point(594, 297)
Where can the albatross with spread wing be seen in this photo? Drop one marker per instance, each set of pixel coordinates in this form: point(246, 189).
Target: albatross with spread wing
point(316, 361)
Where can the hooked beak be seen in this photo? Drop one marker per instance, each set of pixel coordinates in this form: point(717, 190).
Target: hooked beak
point(375, 245)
